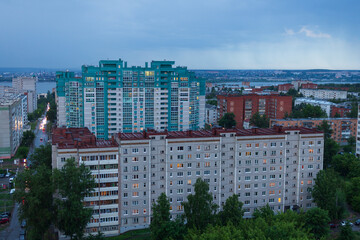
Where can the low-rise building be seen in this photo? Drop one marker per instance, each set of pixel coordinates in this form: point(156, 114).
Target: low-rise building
point(342, 128)
point(274, 166)
point(285, 87)
point(324, 93)
point(309, 85)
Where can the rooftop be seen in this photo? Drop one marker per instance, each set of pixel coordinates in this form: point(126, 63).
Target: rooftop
point(215, 132)
point(78, 138)
point(312, 119)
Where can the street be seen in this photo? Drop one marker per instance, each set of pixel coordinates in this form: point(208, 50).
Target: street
point(13, 230)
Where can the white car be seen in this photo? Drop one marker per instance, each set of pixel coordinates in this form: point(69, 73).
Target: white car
point(343, 223)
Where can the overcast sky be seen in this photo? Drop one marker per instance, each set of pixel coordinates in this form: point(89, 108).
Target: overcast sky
point(209, 34)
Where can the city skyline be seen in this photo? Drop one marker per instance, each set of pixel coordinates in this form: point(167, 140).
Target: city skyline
point(215, 35)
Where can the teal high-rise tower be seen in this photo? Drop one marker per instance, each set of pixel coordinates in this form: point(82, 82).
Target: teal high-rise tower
point(113, 97)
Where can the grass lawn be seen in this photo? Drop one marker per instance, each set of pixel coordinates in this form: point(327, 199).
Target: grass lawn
point(140, 234)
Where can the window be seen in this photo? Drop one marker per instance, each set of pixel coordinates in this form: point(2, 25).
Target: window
point(248, 145)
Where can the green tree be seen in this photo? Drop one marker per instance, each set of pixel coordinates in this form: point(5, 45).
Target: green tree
point(350, 147)
point(317, 221)
point(265, 213)
point(346, 233)
point(353, 193)
point(331, 148)
point(308, 111)
point(328, 194)
point(228, 120)
point(27, 138)
point(346, 164)
point(259, 121)
point(161, 226)
point(73, 184)
point(212, 102)
point(41, 155)
point(22, 152)
point(325, 127)
point(354, 111)
point(232, 211)
point(199, 209)
point(34, 193)
point(51, 114)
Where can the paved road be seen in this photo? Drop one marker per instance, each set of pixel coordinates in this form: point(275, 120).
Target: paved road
point(12, 232)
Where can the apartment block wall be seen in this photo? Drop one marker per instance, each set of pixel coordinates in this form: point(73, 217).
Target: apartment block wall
point(269, 166)
point(273, 106)
point(342, 128)
point(324, 94)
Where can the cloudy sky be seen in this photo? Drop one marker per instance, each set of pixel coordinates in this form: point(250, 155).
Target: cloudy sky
point(209, 34)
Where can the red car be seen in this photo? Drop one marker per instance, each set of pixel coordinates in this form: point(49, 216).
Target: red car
point(4, 220)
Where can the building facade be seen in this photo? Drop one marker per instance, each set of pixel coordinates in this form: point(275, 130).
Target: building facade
point(11, 123)
point(342, 128)
point(28, 86)
point(285, 87)
point(211, 114)
point(273, 106)
point(262, 166)
point(115, 98)
point(324, 93)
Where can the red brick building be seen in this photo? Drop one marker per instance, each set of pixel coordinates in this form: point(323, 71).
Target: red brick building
point(285, 87)
point(273, 106)
point(342, 111)
point(309, 85)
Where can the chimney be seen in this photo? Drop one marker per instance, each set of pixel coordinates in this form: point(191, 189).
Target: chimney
point(254, 130)
point(214, 132)
point(145, 133)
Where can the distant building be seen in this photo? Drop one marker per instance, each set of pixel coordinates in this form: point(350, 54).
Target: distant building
point(324, 94)
point(11, 122)
point(275, 166)
point(309, 86)
point(273, 106)
point(324, 105)
point(28, 86)
point(113, 97)
point(285, 87)
point(245, 84)
point(298, 83)
point(342, 128)
point(342, 111)
point(211, 114)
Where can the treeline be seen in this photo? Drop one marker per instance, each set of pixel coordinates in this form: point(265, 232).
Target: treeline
point(203, 220)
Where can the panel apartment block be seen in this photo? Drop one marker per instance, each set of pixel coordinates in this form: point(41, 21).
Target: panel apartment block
point(342, 128)
point(114, 98)
point(273, 106)
point(324, 93)
point(262, 166)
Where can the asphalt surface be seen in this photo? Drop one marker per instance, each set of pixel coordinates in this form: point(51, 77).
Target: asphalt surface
point(12, 232)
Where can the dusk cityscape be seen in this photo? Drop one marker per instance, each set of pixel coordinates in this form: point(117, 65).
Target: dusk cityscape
point(180, 120)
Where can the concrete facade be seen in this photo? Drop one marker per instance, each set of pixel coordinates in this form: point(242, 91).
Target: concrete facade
point(273, 106)
point(262, 166)
point(342, 128)
point(28, 86)
point(211, 114)
point(324, 94)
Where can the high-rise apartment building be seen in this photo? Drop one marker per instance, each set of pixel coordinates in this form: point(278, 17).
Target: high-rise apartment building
point(113, 97)
point(272, 106)
point(28, 86)
point(262, 166)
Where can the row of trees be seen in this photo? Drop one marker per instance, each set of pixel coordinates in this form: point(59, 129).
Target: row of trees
point(202, 220)
point(50, 198)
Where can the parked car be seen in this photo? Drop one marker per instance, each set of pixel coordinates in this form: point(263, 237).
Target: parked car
point(22, 234)
point(8, 174)
point(333, 225)
point(343, 223)
point(11, 180)
point(4, 220)
point(357, 222)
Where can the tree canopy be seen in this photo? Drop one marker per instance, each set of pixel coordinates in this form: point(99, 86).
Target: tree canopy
point(199, 209)
point(307, 111)
point(228, 120)
point(259, 121)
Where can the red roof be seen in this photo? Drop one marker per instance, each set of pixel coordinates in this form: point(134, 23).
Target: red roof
point(79, 138)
